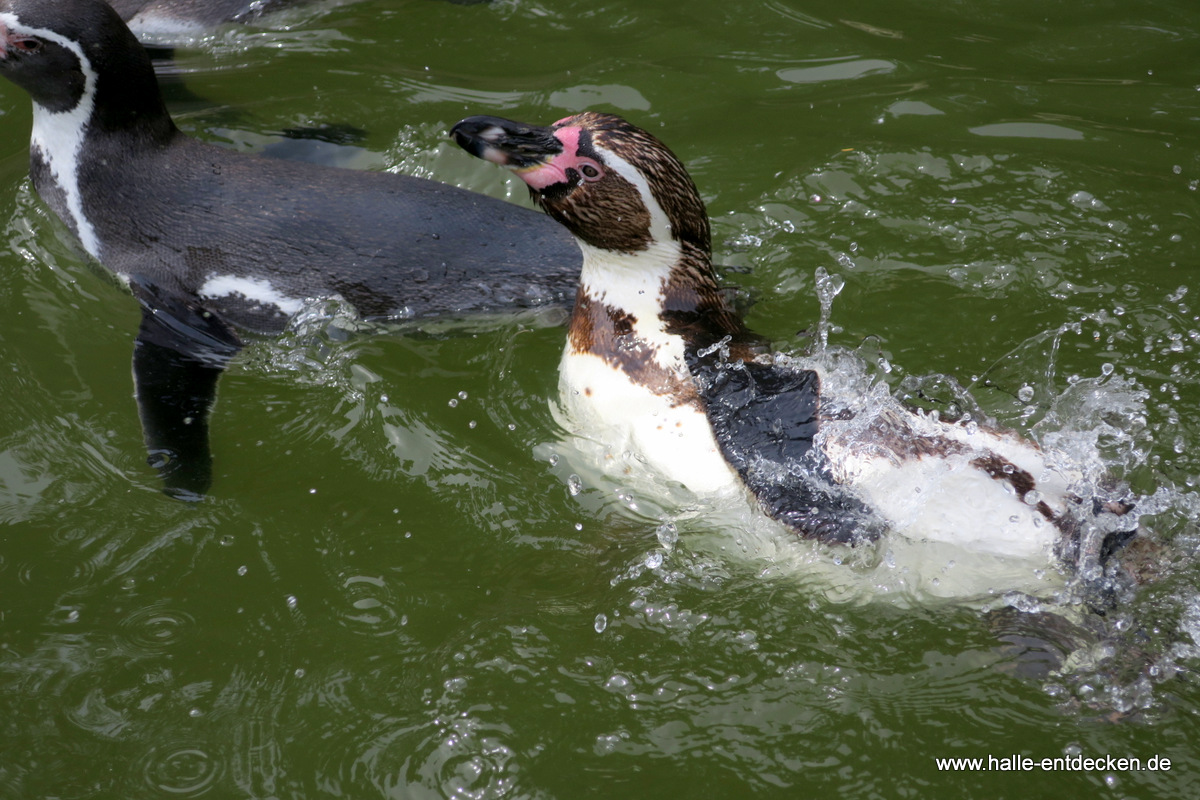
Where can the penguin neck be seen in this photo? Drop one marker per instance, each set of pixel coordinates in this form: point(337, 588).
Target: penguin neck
point(55, 147)
point(643, 312)
point(631, 284)
point(115, 116)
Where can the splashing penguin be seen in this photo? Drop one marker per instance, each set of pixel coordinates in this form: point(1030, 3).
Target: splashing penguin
point(657, 363)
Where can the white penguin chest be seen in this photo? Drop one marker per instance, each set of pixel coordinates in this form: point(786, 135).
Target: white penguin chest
point(633, 422)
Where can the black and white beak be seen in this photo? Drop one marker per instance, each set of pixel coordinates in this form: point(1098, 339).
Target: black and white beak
point(515, 145)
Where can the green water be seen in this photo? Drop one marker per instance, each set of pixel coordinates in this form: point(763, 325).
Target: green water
point(393, 593)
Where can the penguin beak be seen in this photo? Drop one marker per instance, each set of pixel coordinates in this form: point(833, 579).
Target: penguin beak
point(515, 145)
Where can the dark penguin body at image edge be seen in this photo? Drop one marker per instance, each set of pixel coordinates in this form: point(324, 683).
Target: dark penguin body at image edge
point(658, 363)
point(211, 241)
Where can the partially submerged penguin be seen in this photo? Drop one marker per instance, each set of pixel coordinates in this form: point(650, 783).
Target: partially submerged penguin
point(213, 243)
point(658, 364)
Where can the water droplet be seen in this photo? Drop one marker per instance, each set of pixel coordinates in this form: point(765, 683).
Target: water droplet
point(617, 683)
point(453, 402)
point(654, 560)
point(574, 484)
point(601, 623)
point(292, 601)
point(242, 570)
point(667, 534)
point(1025, 393)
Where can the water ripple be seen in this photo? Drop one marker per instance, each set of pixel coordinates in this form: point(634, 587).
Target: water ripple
point(156, 627)
point(369, 607)
point(181, 769)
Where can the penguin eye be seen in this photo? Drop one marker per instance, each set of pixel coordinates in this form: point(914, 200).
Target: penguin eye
point(590, 171)
point(27, 45)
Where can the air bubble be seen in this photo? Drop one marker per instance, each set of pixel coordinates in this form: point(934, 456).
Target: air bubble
point(574, 484)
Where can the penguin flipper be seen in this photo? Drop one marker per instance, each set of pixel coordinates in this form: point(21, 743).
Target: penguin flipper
point(765, 418)
point(178, 357)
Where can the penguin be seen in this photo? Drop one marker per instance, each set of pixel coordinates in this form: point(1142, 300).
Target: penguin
point(216, 245)
point(658, 364)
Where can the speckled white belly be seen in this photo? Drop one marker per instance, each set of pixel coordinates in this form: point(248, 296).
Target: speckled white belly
point(948, 498)
point(675, 441)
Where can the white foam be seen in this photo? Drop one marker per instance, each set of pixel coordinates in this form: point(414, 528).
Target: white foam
point(59, 135)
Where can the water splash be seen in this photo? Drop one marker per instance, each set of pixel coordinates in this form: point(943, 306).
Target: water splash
point(828, 287)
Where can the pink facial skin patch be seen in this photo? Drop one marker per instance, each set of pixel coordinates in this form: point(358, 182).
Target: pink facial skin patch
point(555, 169)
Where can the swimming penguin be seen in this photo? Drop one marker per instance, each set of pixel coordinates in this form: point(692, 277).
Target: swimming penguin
point(658, 364)
point(213, 242)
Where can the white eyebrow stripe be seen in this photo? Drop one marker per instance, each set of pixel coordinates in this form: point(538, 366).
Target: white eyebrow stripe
point(660, 224)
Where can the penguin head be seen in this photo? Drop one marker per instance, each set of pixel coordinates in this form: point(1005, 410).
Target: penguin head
point(612, 184)
point(71, 53)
